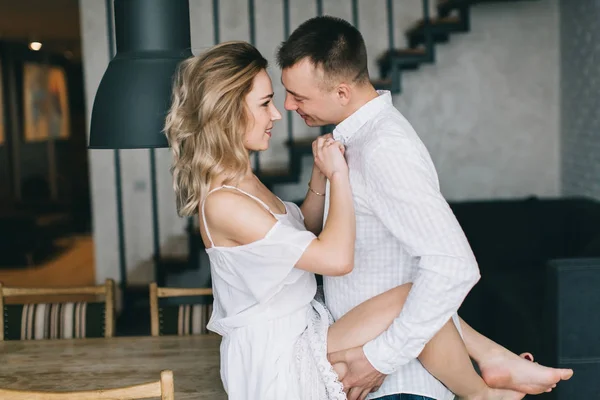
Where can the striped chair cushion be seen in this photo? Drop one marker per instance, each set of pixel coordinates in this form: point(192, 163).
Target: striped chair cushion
point(54, 321)
point(184, 319)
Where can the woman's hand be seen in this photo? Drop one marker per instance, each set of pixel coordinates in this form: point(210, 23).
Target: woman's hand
point(329, 156)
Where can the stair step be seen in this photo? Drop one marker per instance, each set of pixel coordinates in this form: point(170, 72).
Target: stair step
point(440, 30)
point(174, 263)
point(434, 22)
point(444, 7)
point(406, 52)
point(407, 58)
point(382, 84)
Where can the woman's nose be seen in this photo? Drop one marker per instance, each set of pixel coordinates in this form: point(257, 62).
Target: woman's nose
point(275, 114)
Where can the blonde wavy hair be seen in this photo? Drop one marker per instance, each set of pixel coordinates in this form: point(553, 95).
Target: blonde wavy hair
point(207, 120)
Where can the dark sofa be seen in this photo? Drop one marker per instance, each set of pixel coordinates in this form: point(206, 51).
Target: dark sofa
point(540, 286)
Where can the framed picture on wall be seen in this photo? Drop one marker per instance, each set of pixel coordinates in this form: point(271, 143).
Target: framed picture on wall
point(45, 102)
point(1, 108)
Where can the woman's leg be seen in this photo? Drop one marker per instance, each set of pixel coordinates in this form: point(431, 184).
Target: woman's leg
point(445, 356)
point(502, 368)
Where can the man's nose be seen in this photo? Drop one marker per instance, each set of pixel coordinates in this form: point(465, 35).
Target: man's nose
point(289, 103)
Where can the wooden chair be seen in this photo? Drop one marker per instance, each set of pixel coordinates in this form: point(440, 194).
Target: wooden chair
point(58, 320)
point(185, 319)
point(162, 388)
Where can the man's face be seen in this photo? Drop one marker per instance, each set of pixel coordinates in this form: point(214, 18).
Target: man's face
point(306, 95)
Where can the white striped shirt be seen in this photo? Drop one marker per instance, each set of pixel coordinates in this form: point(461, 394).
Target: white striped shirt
point(405, 232)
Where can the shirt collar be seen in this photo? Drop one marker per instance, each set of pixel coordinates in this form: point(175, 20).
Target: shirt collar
point(348, 127)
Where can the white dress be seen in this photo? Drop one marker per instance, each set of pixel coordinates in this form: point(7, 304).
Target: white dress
point(274, 330)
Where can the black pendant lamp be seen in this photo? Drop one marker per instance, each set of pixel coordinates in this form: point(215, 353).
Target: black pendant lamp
point(152, 37)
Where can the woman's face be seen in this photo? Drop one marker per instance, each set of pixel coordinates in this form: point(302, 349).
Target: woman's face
point(262, 113)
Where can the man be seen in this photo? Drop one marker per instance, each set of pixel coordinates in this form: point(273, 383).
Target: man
point(405, 229)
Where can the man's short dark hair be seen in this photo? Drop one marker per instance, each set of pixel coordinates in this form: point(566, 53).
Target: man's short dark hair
point(330, 43)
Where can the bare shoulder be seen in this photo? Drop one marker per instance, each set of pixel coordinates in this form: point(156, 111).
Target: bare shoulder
point(226, 200)
point(233, 216)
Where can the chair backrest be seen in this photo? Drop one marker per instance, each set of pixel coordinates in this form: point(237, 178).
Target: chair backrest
point(163, 388)
point(47, 320)
point(191, 319)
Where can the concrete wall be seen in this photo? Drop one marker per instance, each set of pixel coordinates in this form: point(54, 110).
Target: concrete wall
point(488, 109)
point(580, 97)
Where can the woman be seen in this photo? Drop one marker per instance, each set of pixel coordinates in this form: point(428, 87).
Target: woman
point(264, 252)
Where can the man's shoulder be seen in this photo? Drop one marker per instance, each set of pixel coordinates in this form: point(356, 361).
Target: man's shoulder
point(390, 127)
point(389, 135)
point(390, 117)
point(391, 139)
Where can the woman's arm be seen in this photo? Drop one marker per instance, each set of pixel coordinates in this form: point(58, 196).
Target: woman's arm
point(332, 253)
point(234, 219)
point(313, 206)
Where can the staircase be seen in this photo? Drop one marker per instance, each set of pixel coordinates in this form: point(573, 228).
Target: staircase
point(422, 37)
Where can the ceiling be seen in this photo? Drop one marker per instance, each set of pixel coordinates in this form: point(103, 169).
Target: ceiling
point(55, 23)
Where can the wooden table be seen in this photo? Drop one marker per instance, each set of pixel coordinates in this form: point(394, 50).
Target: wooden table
point(85, 364)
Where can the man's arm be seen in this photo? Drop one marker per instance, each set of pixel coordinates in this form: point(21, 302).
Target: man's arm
point(405, 197)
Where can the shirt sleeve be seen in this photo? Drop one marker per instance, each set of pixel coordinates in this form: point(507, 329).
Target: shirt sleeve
point(404, 195)
point(267, 265)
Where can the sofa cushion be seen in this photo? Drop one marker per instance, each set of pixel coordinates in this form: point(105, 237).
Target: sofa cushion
point(591, 249)
point(503, 234)
point(583, 227)
point(516, 303)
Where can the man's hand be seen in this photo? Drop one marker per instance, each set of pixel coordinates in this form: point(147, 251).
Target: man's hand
point(361, 378)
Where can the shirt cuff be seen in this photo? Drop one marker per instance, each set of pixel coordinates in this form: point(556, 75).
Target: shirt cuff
point(382, 357)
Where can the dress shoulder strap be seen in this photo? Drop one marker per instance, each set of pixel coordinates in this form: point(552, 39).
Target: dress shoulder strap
point(212, 244)
point(259, 201)
point(262, 203)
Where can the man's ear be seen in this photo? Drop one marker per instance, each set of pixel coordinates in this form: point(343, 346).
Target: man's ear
point(344, 93)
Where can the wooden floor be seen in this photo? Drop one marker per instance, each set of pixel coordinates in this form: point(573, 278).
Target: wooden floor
point(74, 267)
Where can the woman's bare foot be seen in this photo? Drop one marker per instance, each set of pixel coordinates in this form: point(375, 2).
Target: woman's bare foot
point(506, 370)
